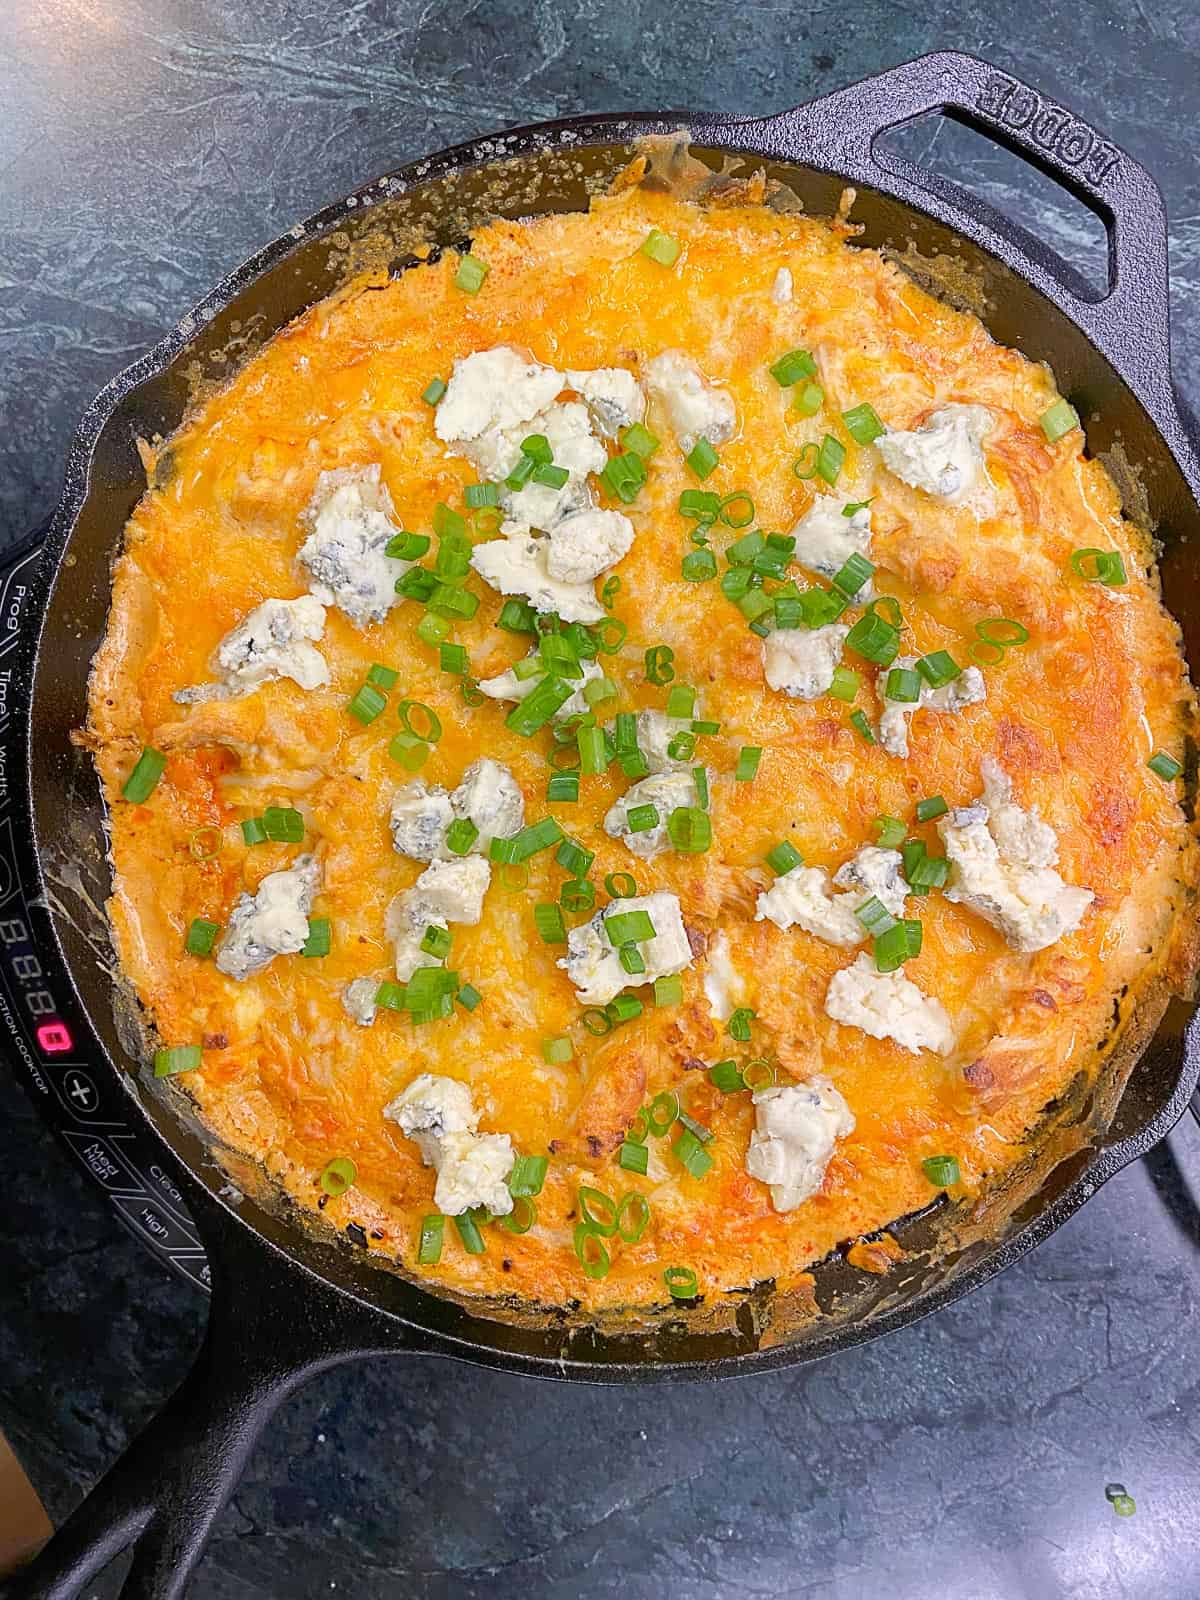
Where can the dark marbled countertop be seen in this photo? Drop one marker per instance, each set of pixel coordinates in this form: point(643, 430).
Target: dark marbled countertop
point(145, 147)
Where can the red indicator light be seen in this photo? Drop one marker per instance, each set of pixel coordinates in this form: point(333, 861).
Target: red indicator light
point(53, 1038)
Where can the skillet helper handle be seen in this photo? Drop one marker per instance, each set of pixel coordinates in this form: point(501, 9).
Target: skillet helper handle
point(1130, 322)
point(267, 1335)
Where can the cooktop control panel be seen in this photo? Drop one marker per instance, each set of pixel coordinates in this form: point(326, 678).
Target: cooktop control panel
point(37, 1032)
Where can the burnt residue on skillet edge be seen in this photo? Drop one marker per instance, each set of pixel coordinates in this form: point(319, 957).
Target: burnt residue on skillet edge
point(390, 230)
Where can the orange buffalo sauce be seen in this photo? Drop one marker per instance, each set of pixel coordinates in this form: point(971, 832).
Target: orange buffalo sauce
point(287, 1078)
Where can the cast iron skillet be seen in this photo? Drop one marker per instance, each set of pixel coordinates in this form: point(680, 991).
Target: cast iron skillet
point(287, 1304)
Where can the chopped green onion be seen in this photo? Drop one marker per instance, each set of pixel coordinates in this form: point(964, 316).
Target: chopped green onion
point(431, 630)
point(596, 1021)
point(1003, 631)
point(429, 1244)
point(903, 686)
point(738, 1026)
point(453, 658)
point(1164, 766)
point(661, 247)
point(577, 894)
point(556, 1051)
point(694, 1158)
point(876, 639)
point(390, 996)
point(1099, 566)
point(447, 600)
point(620, 886)
point(632, 960)
point(598, 690)
point(537, 708)
point(409, 751)
point(858, 721)
point(701, 504)
point(700, 779)
point(941, 1171)
point(661, 1113)
point(862, 423)
point(845, 685)
point(522, 1216)
point(382, 677)
point(633, 1217)
point(598, 1210)
point(698, 566)
point(573, 858)
point(788, 611)
point(407, 546)
point(726, 1076)
point(624, 927)
point(889, 832)
point(470, 275)
point(668, 991)
point(897, 944)
point(367, 704)
point(593, 758)
point(517, 617)
point(143, 780)
point(830, 456)
point(741, 552)
point(640, 440)
point(1057, 420)
point(320, 937)
point(283, 824)
point(179, 1058)
point(821, 606)
point(201, 936)
point(478, 495)
point(591, 1251)
point(633, 1157)
point(659, 669)
point(468, 1232)
point(610, 634)
point(205, 843)
point(549, 921)
point(784, 857)
point(755, 604)
point(758, 1074)
point(469, 997)
point(807, 401)
point(609, 590)
point(681, 1283)
point(417, 584)
point(536, 837)
point(928, 872)
point(935, 806)
point(563, 786)
point(938, 668)
point(690, 829)
point(550, 476)
point(737, 510)
point(641, 819)
point(875, 916)
point(747, 763)
point(681, 746)
point(527, 1176)
point(436, 941)
point(433, 391)
point(624, 475)
point(702, 459)
point(793, 366)
point(338, 1175)
point(681, 701)
point(414, 712)
point(850, 577)
point(448, 523)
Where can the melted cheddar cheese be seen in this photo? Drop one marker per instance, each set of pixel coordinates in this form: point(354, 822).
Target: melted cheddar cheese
point(1071, 716)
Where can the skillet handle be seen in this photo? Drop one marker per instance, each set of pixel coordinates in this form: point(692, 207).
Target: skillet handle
point(1130, 322)
point(267, 1334)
